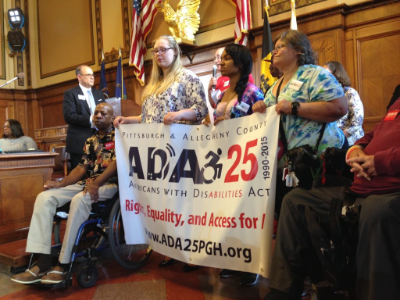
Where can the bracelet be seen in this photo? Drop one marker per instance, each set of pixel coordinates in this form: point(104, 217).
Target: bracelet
point(351, 150)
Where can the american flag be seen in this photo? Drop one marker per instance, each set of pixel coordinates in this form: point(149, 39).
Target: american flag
point(142, 22)
point(243, 21)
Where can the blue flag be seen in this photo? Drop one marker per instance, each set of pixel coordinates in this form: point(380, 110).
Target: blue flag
point(120, 90)
point(103, 82)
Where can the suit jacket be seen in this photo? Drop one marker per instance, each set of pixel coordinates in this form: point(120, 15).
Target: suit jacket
point(77, 114)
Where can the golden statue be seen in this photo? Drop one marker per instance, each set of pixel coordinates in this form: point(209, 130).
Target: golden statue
point(183, 23)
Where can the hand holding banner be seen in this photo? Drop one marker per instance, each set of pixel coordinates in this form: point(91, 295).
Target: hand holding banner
point(204, 195)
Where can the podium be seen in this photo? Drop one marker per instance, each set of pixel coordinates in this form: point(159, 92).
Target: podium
point(22, 176)
point(124, 107)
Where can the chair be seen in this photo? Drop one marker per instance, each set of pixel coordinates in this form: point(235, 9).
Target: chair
point(62, 161)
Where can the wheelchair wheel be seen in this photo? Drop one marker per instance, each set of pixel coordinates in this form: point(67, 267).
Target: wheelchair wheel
point(130, 257)
point(87, 276)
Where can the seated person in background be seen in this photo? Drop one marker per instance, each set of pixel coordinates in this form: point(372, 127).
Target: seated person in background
point(222, 83)
point(89, 182)
point(351, 123)
point(14, 138)
point(375, 161)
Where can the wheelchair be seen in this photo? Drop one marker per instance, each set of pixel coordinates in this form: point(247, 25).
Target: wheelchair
point(104, 229)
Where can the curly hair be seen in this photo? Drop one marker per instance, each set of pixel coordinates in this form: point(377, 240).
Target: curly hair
point(242, 59)
point(339, 72)
point(298, 41)
point(16, 129)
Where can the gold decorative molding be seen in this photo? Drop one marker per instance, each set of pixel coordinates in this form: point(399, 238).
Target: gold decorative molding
point(216, 25)
point(280, 6)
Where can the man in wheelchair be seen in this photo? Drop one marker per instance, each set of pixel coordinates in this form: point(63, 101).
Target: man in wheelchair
point(91, 181)
point(375, 162)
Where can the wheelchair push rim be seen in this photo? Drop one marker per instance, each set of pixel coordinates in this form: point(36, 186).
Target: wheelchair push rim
point(130, 257)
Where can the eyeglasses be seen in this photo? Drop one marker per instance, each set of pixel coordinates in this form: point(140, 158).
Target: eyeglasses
point(87, 75)
point(5, 126)
point(277, 48)
point(159, 50)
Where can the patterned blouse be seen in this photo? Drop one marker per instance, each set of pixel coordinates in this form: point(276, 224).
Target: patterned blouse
point(317, 85)
point(98, 154)
point(187, 91)
point(251, 95)
point(23, 143)
point(353, 121)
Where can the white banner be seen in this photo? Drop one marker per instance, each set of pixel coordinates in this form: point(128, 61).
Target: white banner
point(199, 194)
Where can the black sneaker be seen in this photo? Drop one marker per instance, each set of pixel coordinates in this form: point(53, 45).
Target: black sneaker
point(249, 279)
point(225, 273)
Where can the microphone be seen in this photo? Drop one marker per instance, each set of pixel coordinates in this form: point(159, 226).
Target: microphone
point(214, 74)
point(19, 75)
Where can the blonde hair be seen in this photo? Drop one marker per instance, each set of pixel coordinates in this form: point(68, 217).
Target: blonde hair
point(158, 83)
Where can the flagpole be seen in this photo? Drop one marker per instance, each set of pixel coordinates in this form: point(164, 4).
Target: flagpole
point(293, 21)
point(122, 75)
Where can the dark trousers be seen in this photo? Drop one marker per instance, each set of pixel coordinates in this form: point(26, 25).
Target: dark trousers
point(378, 252)
point(75, 159)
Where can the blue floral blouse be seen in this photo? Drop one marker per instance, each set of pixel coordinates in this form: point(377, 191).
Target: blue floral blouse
point(187, 91)
point(251, 95)
point(318, 85)
point(353, 121)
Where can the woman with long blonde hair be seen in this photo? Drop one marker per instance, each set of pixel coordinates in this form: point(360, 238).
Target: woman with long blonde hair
point(174, 94)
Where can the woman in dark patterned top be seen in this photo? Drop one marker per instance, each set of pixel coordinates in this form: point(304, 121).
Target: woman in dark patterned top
point(238, 99)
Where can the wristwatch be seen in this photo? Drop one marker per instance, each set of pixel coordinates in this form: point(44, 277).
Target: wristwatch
point(295, 107)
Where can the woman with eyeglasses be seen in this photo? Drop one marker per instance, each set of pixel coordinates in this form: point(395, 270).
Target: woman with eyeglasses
point(173, 95)
point(306, 97)
point(14, 139)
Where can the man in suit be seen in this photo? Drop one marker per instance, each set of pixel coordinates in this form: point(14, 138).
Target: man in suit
point(78, 108)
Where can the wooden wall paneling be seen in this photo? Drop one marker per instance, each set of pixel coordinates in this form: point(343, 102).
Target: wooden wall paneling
point(378, 66)
point(351, 61)
point(328, 45)
point(369, 13)
point(20, 114)
point(3, 113)
point(52, 112)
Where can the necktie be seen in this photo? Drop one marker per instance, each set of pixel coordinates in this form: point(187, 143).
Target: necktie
point(92, 104)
